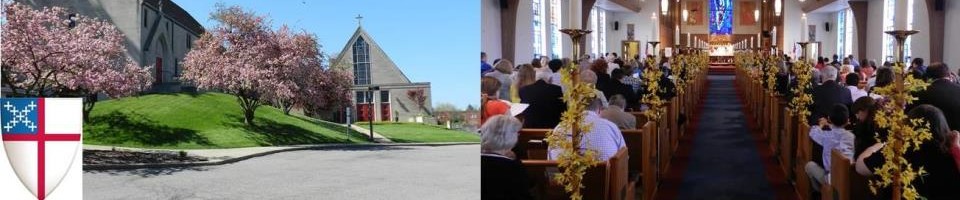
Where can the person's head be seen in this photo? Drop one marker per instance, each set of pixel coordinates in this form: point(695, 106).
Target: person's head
point(868, 67)
point(864, 108)
point(917, 62)
point(555, 65)
point(526, 75)
point(490, 87)
point(588, 76)
point(499, 133)
point(884, 77)
point(836, 57)
point(846, 61)
point(599, 67)
point(617, 74)
point(596, 104)
point(852, 79)
point(543, 76)
point(504, 66)
point(535, 63)
point(618, 100)
point(828, 74)
point(839, 115)
point(937, 71)
point(938, 125)
point(483, 56)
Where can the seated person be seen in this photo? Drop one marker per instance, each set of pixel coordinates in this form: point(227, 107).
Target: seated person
point(933, 156)
point(546, 103)
point(853, 84)
point(831, 135)
point(503, 176)
point(827, 94)
point(604, 137)
point(490, 103)
point(615, 113)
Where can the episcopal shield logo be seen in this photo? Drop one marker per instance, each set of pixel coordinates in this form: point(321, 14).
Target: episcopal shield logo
point(41, 137)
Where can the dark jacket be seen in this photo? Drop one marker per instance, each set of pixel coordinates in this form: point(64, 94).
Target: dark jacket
point(615, 87)
point(502, 178)
point(546, 105)
point(824, 97)
point(944, 95)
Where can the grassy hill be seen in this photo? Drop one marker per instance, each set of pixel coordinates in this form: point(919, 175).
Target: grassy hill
point(413, 132)
point(198, 121)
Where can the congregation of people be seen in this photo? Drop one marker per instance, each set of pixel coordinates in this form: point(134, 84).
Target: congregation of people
point(538, 85)
point(845, 103)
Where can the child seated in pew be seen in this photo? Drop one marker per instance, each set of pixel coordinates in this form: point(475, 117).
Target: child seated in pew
point(831, 135)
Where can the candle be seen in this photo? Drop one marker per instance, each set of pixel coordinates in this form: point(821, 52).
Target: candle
point(759, 39)
point(803, 28)
point(688, 39)
point(576, 14)
point(654, 32)
point(900, 15)
point(676, 36)
point(774, 36)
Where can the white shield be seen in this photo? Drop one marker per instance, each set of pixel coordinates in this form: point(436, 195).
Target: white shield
point(62, 116)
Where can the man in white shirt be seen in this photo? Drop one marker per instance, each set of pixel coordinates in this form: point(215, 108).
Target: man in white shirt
point(604, 137)
point(853, 84)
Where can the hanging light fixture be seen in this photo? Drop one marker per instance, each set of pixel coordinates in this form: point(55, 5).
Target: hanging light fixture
point(685, 14)
point(777, 7)
point(664, 4)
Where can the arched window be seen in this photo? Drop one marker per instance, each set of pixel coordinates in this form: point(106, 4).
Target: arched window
point(598, 38)
point(539, 47)
point(845, 27)
point(556, 45)
point(361, 62)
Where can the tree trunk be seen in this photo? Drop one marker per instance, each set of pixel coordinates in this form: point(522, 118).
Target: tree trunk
point(248, 115)
point(88, 102)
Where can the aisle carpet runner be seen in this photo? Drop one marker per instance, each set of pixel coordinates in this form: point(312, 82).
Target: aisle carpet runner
point(723, 158)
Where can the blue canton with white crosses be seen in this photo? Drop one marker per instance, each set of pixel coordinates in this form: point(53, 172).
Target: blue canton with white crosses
point(19, 116)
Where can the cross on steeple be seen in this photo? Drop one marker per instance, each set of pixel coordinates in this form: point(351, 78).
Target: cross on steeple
point(359, 20)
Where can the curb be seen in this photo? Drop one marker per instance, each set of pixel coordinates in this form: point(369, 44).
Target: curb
point(97, 167)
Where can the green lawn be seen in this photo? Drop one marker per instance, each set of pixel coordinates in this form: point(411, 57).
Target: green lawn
point(200, 121)
point(413, 132)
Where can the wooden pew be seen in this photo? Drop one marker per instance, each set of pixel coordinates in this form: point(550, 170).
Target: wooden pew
point(606, 180)
point(804, 151)
point(787, 145)
point(531, 141)
point(845, 183)
point(641, 149)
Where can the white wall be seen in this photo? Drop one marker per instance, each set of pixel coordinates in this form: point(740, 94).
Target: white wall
point(490, 29)
point(921, 41)
point(828, 40)
point(524, 36)
point(791, 28)
point(644, 27)
point(875, 31)
point(951, 46)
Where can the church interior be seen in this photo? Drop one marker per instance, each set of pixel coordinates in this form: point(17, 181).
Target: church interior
point(720, 99)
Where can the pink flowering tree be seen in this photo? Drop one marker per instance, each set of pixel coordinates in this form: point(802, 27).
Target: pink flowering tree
point(53, 53)
point(244, 57)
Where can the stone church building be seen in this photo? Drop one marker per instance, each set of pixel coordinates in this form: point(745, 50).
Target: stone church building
point(158, 32)
point(372, 67)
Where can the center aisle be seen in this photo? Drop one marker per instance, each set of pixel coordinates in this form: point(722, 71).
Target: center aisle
point(721, 159)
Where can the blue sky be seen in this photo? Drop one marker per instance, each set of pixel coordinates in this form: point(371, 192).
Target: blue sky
point(433, 41)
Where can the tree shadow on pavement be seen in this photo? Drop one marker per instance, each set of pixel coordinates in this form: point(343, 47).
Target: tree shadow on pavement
point(146, 173)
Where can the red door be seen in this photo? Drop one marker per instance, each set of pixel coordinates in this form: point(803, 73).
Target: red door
point(385, 112)
point(363, 112)
point(159, 68)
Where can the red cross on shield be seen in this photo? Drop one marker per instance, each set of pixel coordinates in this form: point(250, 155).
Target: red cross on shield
point(41, 137)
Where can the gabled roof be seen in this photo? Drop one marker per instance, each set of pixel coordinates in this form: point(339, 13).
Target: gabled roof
point(374, 49)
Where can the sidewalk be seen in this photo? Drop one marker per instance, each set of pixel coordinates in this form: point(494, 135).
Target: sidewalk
point(376, 136)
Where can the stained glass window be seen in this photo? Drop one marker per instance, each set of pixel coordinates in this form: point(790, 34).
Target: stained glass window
point(555, 44)
point(361, 62)
point(721, 17)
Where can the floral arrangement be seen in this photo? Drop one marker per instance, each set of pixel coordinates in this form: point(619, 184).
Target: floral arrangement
point(569, 133)
point(772, 70)
point(651, 76)
point(676, 69)
point(905, 134)
point(801, 98)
